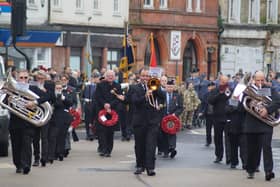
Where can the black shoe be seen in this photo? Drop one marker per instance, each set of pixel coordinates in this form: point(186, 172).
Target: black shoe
point(232, 166)
point(51, 161)
point(228, 162)
point(36, 163)
point(173, 153)
point(269, 176)
point(251, 175)
point(159, 153)
point(165, 155)
point(26, 170)
point(101, 154)
point(257, 169)
point(107, 155)
point(19, 170)
point(207, 144)
point(66, 153)
point(139, 170)
point(244, 167)
point(151, 172)
point(218, 160)
point(60, 158)
point(43, 163)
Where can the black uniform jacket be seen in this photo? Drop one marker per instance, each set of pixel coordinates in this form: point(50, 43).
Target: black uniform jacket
point(144, 113)
point(175, 105)
point(219, 102)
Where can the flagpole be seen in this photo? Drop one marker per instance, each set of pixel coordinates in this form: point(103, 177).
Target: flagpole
point(87, 64)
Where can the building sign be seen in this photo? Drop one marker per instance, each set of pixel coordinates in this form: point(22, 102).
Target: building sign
point(175, 45)
point(5, 7)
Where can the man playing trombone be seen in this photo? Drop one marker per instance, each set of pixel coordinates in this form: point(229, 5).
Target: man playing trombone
point(146, 118)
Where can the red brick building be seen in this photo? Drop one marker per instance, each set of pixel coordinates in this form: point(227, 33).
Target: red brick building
point(193, 23)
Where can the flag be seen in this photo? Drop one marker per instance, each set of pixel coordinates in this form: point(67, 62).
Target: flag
point(153, 58)
point(88, 50)
point(88, 57)
point(127, 58)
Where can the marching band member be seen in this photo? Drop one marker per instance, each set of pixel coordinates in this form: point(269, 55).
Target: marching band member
point(258, 133)
point(145, 122)
point(61, 120)
point(218, 97)
point(174, 106)
point(107, 100)
point(21, 131)
point(41, 133)
point(90, 109)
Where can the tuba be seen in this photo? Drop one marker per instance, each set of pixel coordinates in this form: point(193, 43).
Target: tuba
point(253, 103)
point(15, 100)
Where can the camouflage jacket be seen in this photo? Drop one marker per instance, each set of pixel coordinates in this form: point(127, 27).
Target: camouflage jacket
point(191, 100)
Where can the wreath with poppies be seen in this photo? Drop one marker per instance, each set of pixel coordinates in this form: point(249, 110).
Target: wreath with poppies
point(112, 115)
point(170, 124)
point(76, 118)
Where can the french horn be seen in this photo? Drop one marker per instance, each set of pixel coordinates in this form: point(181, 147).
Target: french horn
point(15, 101)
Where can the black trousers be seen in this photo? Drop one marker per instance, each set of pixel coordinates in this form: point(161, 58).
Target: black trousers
point(168, 142)
point(41, 133)
point(218, 139)
point(21, 140)
point(258, 142)
point(89, 119)
point(238, 142)
point(122, 121)
point(145, 145)
point(209, 124)
point(106, 139)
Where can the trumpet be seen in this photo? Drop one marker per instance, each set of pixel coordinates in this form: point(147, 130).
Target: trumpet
point(153, 85)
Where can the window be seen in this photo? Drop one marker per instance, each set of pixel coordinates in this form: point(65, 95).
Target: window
point(198, 6)
point(272, 9)
point(96, 7)
point(79, 6)
point(57, 5)
point(194, 4)
point(234, 11)
point(116, 7)
point(163, 4)
point(96, 4)
point(112, 58)
point(148, 3)
point(32, 4)
point(254, 11)
point(189, 6)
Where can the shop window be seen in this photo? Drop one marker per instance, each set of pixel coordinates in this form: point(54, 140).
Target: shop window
point(79, 6)
point(96, 7)
point(112, 59)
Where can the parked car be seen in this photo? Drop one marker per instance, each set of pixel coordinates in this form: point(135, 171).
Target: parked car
point(4, 118)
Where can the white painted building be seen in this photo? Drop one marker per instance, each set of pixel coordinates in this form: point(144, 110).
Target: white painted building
point(104, 13)
point(248, 42)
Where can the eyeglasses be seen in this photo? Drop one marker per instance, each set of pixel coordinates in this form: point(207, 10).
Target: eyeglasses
point(23, 77)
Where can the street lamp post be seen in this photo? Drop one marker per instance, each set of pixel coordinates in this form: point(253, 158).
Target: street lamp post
point(210, 51)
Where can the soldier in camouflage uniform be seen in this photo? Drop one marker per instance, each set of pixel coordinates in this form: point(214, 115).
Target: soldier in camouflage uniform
point(181, 90)
point(191, 103)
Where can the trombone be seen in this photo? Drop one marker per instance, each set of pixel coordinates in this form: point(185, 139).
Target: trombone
point(153, 84)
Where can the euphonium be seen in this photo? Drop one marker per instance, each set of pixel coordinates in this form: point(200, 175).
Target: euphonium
point(153, 84)
point(15, 101)
point(253, 103)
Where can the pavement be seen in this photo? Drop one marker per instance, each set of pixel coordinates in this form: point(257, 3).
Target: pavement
point(193, 167)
